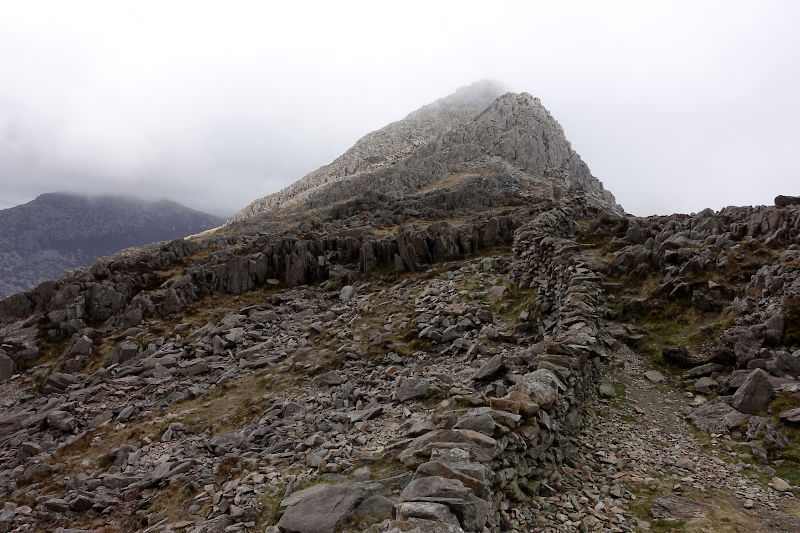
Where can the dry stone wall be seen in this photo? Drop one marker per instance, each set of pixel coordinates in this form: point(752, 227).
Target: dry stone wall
point(509, 449)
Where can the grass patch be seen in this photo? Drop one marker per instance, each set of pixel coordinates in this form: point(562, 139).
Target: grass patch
point(743, 262)
point(170, 503)
point(790, 468)
point(660, 334)
point(620, 398)
point(646, 494)
point(724, 514)
point(270, 504)
point(791, 321)
point(49, 353)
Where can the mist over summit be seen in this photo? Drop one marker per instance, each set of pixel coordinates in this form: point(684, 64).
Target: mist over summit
point(479, 128)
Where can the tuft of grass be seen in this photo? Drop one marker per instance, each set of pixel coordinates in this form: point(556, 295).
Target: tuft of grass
point(270, 508)
point(724, 514)
point(171, 501)
point(791, 319)
point(645, 496)
point(783, 402)
point(620, 399)
point(790, 468)
point(673, 326)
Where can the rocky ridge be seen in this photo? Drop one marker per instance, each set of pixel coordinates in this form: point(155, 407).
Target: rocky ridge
point(501, 352)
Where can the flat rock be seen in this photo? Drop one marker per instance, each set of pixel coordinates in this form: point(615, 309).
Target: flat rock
point(654, 376)
point(780, 485)
point(330, 378)
point(455, 470)
point(705, 385)
point(420, 428)
point(792, 415)
point(703, 370)
point(427, 511)
point(497, 291)
point(435, 488)
point(482, 423)
point(321, 508)
point(672, 508)
point(58, 381)
point(717, 417)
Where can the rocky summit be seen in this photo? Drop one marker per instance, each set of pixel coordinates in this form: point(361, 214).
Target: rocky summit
point(452, 327)
point(57, 231)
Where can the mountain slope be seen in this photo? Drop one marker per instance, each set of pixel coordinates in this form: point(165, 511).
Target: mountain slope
point(57, 232)
point(476, 129)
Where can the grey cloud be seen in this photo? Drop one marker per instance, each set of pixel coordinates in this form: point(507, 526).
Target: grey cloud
point(675, 106)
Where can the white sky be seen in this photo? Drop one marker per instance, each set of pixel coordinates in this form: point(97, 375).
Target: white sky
point(675, 106)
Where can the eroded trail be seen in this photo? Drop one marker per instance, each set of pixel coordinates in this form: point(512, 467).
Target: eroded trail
point(638, 449)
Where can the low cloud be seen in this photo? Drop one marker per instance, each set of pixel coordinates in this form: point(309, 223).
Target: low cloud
point(674, 106)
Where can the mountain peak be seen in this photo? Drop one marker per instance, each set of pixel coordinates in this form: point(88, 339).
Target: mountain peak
point(480, 90)
point(477, 125)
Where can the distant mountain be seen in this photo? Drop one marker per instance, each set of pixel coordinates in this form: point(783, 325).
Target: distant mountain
point(57, 232)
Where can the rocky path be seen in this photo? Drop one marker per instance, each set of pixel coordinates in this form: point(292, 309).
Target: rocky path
point(637, 449)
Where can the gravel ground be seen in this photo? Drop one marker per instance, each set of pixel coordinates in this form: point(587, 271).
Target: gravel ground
point(637, 447)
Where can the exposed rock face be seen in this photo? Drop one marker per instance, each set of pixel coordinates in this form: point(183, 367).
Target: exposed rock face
point(57, 232)
point(471, 132)
point(784, 201)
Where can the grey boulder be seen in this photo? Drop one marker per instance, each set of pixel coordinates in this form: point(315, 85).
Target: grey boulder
point(754, 395)
point(346, 293)
point(412, 388)
point(124, 351)
point(717, 417)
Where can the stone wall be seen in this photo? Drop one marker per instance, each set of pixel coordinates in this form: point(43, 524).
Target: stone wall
point(509, 449)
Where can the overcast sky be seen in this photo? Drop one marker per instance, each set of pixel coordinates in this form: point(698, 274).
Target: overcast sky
point(675, 106)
